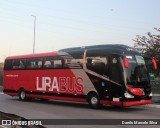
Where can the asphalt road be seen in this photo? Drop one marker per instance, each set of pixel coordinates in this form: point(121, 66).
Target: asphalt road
point(37, 109)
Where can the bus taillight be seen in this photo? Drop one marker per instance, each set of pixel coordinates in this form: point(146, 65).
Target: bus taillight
point(125, 62)
point(154, 64)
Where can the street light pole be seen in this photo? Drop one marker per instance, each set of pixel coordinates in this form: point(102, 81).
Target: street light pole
point(34, 33)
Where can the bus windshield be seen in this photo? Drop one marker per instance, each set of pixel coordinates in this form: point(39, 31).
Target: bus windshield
point(137, 74)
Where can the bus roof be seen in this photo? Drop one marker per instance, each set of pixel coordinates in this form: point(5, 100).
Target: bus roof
point(119, 46)
point(108, 48)
point(36, 55)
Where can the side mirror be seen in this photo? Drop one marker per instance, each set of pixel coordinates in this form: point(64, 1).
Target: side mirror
point(154, 63)
point(125, 62)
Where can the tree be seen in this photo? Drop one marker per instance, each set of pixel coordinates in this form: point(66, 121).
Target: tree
point(149, 45)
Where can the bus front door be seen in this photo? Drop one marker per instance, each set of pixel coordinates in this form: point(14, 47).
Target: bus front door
point(116, 77)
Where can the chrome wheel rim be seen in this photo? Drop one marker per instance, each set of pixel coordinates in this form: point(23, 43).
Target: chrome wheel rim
point(23, 95)
point(94, 100)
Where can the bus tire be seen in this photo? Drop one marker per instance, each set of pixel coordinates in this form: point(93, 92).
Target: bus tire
point(94, 101)
point(22, 95)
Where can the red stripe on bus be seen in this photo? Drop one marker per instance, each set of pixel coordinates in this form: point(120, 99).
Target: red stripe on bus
point(125, 104)
point(134, 103)
point(60, 98)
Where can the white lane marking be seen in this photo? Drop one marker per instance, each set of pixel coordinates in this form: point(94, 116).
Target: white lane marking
point(156, 94)
point(2, 126)
point(1, 93)
point(153, 106)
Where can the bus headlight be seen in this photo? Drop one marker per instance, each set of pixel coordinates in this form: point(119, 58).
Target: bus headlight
point(127, 95)
point(150, 94)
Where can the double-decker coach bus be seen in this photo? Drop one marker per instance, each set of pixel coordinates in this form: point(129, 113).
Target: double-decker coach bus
point(100, 75)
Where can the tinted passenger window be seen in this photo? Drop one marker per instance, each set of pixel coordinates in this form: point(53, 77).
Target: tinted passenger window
point(19, 64)
point(58, 62)
point(98, 64)
point(8, 65)
point(49, 62)
point(74, 62)
point(53, 62)
point(34, 63)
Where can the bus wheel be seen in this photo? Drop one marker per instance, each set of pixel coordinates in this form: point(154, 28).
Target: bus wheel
point(22, 94)
point(94, 101)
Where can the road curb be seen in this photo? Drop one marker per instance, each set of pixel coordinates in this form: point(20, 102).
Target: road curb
point(153, 106)
point(1, 88)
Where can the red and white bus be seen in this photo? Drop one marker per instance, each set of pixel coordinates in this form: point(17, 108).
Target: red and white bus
point(100, 75)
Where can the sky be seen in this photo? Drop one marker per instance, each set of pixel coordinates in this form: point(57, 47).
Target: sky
point(71, 23)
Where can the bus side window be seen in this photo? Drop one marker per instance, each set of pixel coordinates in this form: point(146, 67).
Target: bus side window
point(98, 64)
point(8, 65)
point(16, 64)
point(22, 64)
point(72, 62)
point(19, 64)
point(57, 62)
point(49, 62)
point(34, 63)
point(29, 64)
point(39, 63)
